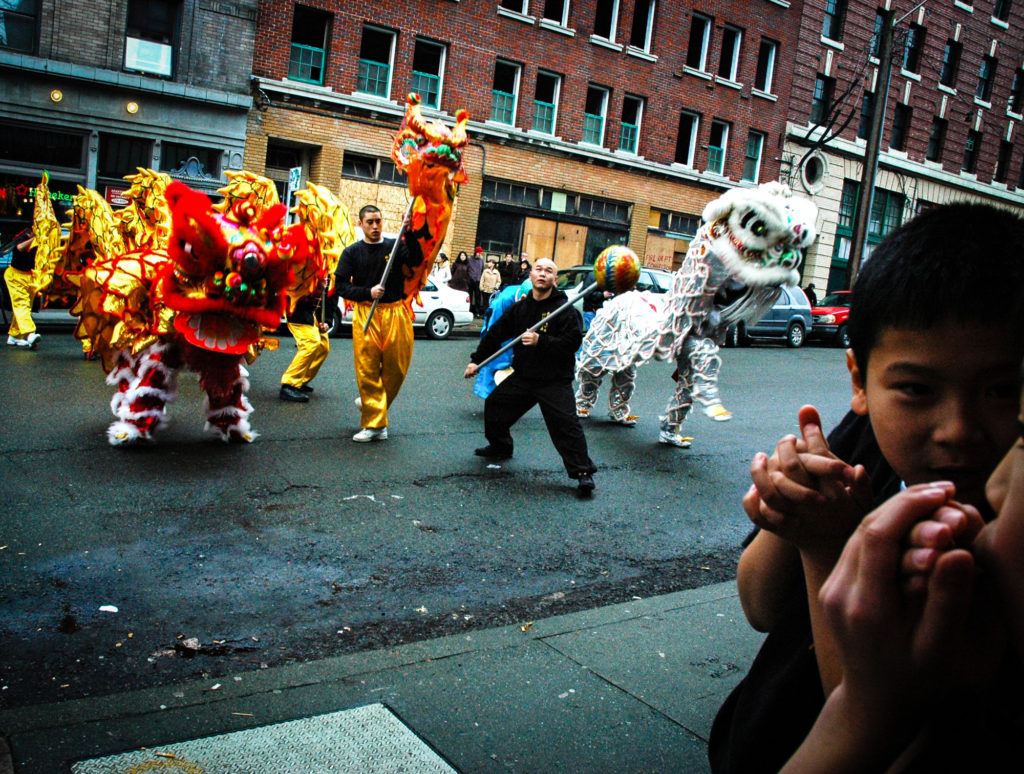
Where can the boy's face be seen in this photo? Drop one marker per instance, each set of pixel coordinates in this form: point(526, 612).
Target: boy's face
point(942, 402)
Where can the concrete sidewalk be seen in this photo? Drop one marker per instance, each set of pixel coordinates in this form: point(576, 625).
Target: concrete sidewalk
point(626, 688)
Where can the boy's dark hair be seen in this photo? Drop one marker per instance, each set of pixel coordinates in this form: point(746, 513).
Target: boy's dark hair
point(958, 262)
point(367, 208)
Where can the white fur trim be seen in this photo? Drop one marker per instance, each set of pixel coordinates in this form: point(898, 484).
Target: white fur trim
point(123, 432)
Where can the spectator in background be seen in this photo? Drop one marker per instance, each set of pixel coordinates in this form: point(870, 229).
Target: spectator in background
point(812, 296)
point(460, 273)
point(490, 280)
point(476, 269)
point(524, 270)
point(441, 273)
point(509, 271)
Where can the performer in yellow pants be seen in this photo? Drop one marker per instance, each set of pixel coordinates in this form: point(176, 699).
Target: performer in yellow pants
point(313, 346)
point(382, 356)
point(21, 287)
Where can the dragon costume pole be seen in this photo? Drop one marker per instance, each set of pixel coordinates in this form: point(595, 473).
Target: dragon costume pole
point(388, 265)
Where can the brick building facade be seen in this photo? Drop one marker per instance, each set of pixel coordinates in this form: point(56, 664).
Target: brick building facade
point(90, 90)
point(592, 121)
point(951, 120)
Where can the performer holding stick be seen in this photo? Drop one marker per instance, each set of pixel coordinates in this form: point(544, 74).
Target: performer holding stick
point(381, 345)
point(543, 361)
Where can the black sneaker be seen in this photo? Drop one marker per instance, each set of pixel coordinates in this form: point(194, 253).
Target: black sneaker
point(292, 394)
point(492, 453)
point(305, 389)
point(586, 485)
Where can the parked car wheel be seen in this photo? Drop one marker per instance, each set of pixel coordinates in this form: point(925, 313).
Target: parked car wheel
point(739, 336)
point(795, 335)
point(439, 325)
point(843, 337)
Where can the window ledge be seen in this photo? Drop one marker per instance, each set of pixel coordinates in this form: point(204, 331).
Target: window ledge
point(728, 83)
point(373, 99)
point(556, 27)
point(681, 165)
point(585, 144)
point(982, 103)
point(1000, 23)
point(968, 175)
point(897, 153)
point(1014, 116)
point(947, 89)
point(639, 53)
point(597, 40)
point(969, 7)
point(832, 43)
point(307, 85)
point(525, 18)
point(780, 3)
point(698, 73)
point(912, 76)
point(764, 95)
point(933, 164)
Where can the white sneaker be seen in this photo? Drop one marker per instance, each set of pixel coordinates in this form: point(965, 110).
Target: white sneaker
point(359, 402)
point(675, 439)
point(16, 342)
point(11, 341)
point(368, 434)
point(32, 338)
point(718, 412)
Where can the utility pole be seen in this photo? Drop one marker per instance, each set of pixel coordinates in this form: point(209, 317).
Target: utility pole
point(866, 197)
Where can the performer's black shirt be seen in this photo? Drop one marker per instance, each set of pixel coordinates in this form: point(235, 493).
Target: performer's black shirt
point(362, 265)
point(553, 357)
point(23, 260)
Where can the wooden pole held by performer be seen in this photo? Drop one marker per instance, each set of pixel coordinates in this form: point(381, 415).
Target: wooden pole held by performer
point(389, 264)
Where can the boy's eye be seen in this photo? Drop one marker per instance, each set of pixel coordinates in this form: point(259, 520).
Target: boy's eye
point(913, 389)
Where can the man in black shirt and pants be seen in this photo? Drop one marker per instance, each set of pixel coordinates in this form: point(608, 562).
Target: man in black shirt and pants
point(382, 354)
point(542, 369)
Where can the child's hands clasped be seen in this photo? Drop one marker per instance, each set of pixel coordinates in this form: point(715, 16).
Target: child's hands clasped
point(804, 493)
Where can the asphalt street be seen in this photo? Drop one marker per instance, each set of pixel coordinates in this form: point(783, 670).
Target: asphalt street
point(220, 557)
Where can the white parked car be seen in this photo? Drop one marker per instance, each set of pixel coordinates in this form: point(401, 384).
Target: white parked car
point(439, 310)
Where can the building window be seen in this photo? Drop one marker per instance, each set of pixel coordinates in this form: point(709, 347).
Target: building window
point(821, 101)
point(950, 63)
point(752, 160)
point(632, 114)
point(765, 74)
point(1003, 162)
point(912, 47)
point(519, 6)
point(428, 71)
point(686, 140)
point(697, 48)
point(557, 11)
point(1001, 10)
point(606, 19)
point(986, 75)
point(835, 15)
point(1016, 102)
point(886, 213)
point(310, 33)
point(594, 113)
point(728, 64)
point(900, 124)
point(121, 155)
point(678, 222)
point(971, 149)
point(867, 112)
point(190, 160)
point(643, 25)
point(41, 146)
point(505, 92)
point(936, 139)
point(876, 34)
point(358, 167)
point(18, 25)
point(375, 57)
point(545, 102)
point(150, 37)
point(717, 145)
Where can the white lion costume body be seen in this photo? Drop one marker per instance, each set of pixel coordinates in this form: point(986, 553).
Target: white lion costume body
point(750, 245)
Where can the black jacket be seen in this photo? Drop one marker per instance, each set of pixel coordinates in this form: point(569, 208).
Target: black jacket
point(554, 356)
point(362, 265)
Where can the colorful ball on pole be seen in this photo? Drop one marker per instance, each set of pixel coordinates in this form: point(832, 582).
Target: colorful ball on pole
point(617, 269)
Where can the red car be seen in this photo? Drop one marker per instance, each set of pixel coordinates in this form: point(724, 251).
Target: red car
point(829, 317)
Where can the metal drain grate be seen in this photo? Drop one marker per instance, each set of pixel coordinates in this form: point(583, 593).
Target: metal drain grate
point(364, 740)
